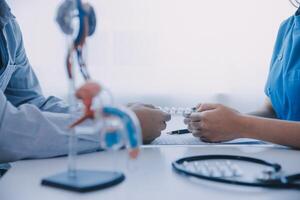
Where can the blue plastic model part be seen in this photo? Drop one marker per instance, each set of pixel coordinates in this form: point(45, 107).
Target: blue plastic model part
point(132, 132)
point(112, 138)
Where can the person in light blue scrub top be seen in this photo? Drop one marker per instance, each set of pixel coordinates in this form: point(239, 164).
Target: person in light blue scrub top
point(279, 119)
point(32, 126)
point(283, 84)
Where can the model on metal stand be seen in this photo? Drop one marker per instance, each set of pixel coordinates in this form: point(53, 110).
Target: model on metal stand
point(116, 126)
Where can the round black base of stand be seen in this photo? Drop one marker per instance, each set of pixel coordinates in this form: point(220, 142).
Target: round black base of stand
point(85, 180)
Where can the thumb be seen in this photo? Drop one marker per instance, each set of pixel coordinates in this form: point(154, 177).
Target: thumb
point(161, 116)
point(207, 106)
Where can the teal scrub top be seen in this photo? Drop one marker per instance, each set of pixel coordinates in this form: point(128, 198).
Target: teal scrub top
point(283, 84)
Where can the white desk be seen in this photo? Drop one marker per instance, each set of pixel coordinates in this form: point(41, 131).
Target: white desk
point(151, 177)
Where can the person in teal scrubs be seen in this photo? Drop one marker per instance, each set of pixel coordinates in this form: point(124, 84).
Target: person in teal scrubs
point(279, 119)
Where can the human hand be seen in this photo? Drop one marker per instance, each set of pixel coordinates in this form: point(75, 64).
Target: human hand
point(214, 123)
point(152, 120)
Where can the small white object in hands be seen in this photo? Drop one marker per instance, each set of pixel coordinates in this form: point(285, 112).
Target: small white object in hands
point(179, 111)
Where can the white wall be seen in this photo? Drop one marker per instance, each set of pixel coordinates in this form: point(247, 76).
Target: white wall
point(167, 52)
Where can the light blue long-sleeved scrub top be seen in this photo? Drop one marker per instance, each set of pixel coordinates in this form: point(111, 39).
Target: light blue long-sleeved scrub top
point(31, 126)
point(283, 84)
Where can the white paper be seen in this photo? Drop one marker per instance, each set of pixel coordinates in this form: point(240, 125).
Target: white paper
point(189, 139)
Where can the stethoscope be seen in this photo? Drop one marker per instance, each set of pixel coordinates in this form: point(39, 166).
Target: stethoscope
point(227, 169)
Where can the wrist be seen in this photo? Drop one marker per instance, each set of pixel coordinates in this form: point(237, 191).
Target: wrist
point(243, 125)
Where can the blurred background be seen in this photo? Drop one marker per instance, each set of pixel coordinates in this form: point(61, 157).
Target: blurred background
point(164, 52)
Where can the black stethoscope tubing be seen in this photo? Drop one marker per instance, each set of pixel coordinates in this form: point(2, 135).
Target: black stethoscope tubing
point(177, 166)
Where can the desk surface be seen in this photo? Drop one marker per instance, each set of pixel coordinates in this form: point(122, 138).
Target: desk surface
point(150, 177)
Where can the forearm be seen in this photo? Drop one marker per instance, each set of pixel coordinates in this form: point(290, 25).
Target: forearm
point(264, 113)
point(53, 104)
point(26, 132)
point(276, 131)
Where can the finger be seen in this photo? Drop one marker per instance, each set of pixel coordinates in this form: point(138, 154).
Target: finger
point(207, 106)
point(158, 116)
point(162, 116)
point(196, 125)
point(186, 121)
point(163, 126)
point(149, 106)
point(133, 104)
point(186, 115)
point(198, 105)
point(141, 104)
point(197, 133)
point(167, 117)
point(156, 134)
point(190, 128)
point(204, 139)
point(196, 117)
